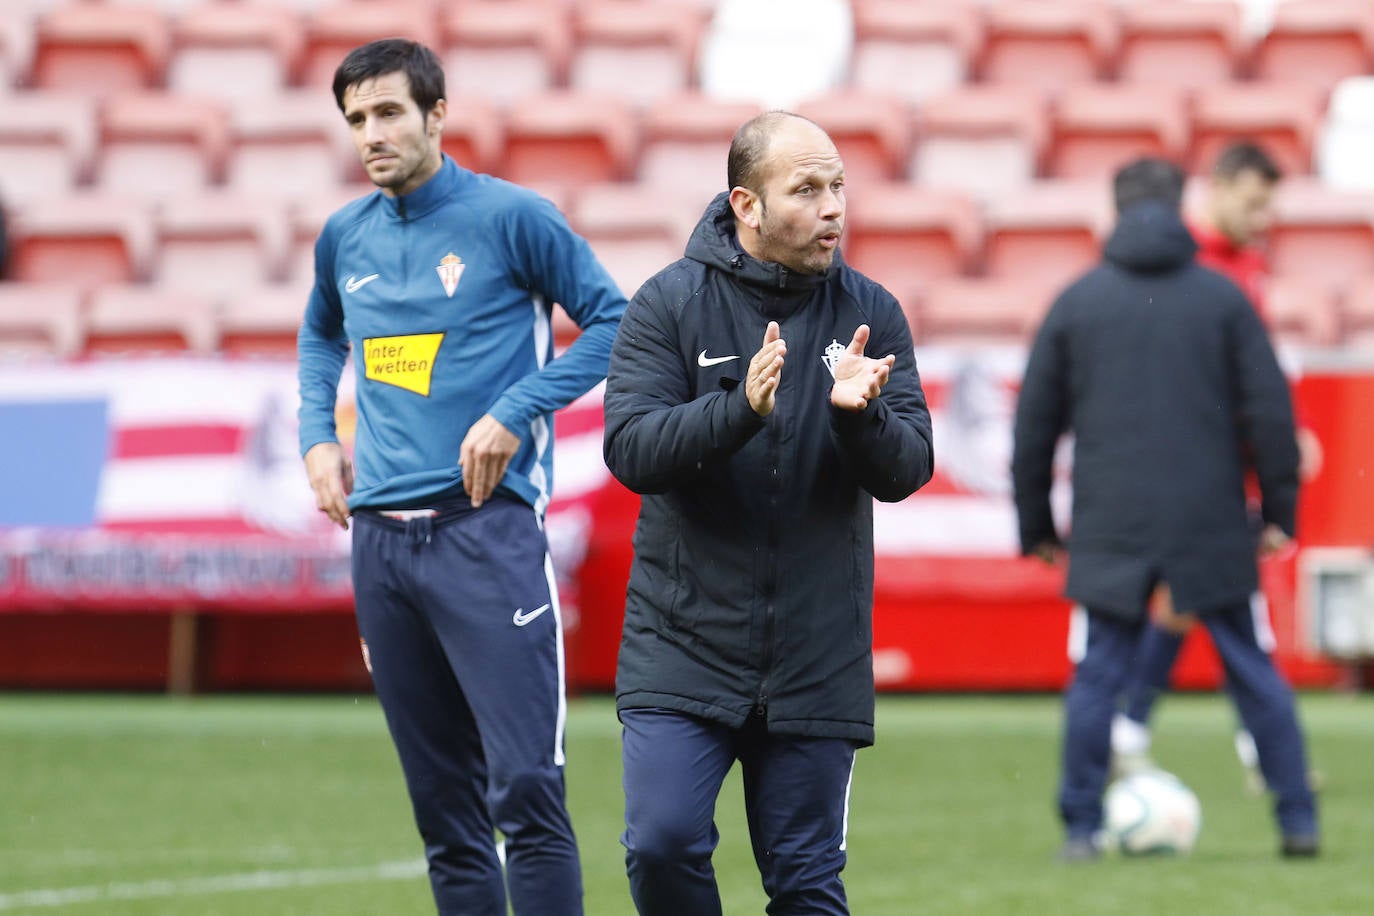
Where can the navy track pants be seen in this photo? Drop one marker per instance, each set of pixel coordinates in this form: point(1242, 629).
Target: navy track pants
point(796, 797)
point(1262, 698)
point(459, 615)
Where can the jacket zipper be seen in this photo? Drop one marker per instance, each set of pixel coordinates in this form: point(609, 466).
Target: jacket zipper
point(771, 576)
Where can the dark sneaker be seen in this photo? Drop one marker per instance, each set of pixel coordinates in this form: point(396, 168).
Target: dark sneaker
point(1079, 849)
point(1300, 846)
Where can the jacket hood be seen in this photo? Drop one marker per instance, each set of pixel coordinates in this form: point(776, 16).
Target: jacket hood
point(1150, 237)
point(713, 243)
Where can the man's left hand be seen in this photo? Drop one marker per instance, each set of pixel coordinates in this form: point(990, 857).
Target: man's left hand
point(486, 450)
point(1273, 541)
point(858, 378)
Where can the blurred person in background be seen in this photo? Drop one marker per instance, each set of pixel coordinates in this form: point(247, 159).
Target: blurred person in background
point(1163, 373)
point(741, 404)
point(1231, 224)
point(1229, 229)
point(441, 284)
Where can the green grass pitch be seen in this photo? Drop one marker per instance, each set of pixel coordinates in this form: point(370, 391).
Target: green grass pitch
point(117, 805)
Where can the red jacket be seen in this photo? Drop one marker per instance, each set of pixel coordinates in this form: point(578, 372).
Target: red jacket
point(1246, 266)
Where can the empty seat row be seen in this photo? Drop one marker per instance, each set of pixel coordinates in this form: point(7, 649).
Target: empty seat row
point(66, 320)
point(903, 235)
point(979, 139)
point(1302, 312)
point(506, 48)
point(241, 50)
point(46, 320)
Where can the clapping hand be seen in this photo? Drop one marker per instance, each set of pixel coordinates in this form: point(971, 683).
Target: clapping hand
point(858, 378)
point(765, 371)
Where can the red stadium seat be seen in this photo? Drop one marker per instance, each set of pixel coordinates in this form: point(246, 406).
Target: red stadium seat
point(234, 50)
point(1047, 233)
point(980, 139)
point(1099, 128)
point(16, 46)
point(472, 132)
point(505, 50)
point(1357, 314)
point(338, 28)
point(1317, 43)
point(40, 319)
point(157, 145)
point(686, 141)
point(47, 144)
point(262, 320)
point(1321, 234)
point(1303, 311)
point(1279, 116)
point(872, 132)
point(86, 239)
point(1180, 44)
point(137, 320)
point(569, 138)
point(983, 311)
point(635, 230)
point(99, 49)
point(915, 50)
point(294, 143)
point(1048, 45)
point(217, 242)
point(905, 236)
point(641, 51)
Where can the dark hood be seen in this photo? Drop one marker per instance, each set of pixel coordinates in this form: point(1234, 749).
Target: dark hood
point(713, 244)
point(1150, 237)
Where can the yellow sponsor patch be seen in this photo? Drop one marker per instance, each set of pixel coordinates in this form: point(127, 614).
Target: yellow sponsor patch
point(406, 362)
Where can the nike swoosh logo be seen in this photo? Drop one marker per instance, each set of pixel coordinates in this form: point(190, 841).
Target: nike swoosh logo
point(706, 362)
point(353, 285)
point(521, 618)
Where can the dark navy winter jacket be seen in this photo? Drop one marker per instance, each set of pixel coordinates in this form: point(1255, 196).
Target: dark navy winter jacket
point(751, 590)
point(1165, 377)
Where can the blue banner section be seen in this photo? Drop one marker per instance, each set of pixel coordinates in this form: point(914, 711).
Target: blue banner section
point(51, 461)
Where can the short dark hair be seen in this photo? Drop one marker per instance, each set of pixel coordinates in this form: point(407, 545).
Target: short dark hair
point(391, 55)
point(1149, 178)
point(749, 147)
point(1246, 156)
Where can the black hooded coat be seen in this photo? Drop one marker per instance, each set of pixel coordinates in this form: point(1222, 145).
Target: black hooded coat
point(1164, 375)
point(751, 589)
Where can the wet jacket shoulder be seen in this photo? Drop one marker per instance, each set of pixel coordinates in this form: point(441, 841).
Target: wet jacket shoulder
point(751, 588)
point(1165, 376)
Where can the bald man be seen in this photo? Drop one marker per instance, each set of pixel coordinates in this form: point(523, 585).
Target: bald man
point(761, 395)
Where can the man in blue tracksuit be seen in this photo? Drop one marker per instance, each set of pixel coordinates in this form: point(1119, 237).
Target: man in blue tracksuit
point(442, 285)
point(1164, 375)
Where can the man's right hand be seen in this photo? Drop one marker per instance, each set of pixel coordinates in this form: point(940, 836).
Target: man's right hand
point(331, 477)
point(765, 371)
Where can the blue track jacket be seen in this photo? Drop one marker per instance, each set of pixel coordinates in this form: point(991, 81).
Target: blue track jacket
point(444, 296)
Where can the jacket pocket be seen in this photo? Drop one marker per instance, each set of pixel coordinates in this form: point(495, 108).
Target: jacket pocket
point(673, 615)
point(860, 589)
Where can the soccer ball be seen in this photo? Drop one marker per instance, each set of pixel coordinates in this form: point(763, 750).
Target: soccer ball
point(1150, 812)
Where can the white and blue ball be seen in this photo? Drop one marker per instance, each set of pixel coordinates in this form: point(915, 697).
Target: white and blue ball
point(1150, 812)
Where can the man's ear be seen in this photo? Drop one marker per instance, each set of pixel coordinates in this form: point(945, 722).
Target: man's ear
point(745, 203)
point(436, 117)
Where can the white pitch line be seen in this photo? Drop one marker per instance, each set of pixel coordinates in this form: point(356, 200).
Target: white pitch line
point(213, 884)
